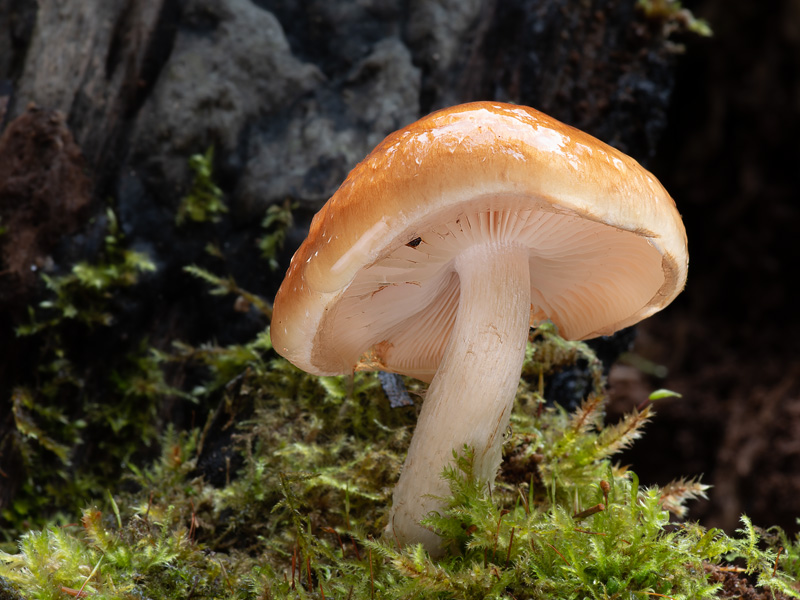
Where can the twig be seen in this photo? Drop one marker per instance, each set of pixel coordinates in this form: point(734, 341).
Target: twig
point(589, 512)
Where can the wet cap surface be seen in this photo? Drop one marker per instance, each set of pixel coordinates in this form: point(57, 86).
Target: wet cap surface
point(374, 286)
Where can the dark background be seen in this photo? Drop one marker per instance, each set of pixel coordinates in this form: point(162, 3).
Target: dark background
point(730, 341)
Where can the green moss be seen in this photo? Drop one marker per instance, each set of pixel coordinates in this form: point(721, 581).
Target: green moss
point(221, 286)
point(84, 294)
point(303, 514)
point(674, 16)
point(277, 221)
point(205, 200)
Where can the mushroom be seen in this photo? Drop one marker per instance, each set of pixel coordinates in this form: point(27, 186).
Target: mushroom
point(446, 244)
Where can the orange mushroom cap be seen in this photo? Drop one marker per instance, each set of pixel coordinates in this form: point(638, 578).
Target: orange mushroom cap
point(373, 285)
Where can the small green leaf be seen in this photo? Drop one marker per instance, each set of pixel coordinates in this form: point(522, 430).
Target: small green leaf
point(663, 393)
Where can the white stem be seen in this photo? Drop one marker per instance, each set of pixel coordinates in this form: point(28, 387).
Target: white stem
point(469, 400)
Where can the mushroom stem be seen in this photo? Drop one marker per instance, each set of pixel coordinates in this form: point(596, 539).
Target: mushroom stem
point(471, 396)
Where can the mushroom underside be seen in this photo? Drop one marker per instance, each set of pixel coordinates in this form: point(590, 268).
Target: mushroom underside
point(397, 315)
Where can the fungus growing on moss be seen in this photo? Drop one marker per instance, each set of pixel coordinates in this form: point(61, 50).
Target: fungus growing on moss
point(446, 244)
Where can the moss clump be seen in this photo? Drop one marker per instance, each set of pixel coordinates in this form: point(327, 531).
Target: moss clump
point(84, 294)
point(277, 221)
point(300, 508)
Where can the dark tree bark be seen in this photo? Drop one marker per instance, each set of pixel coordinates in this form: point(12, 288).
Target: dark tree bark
point(96, 61)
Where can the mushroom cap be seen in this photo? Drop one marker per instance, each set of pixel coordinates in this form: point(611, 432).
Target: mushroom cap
point(373, 285)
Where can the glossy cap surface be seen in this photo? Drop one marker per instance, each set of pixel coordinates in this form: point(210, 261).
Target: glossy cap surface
point(373, 284)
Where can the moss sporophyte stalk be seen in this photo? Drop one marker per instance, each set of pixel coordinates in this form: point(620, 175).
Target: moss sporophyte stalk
point(302, 515)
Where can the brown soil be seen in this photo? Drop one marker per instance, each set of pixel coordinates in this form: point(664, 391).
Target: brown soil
point(736, 585)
